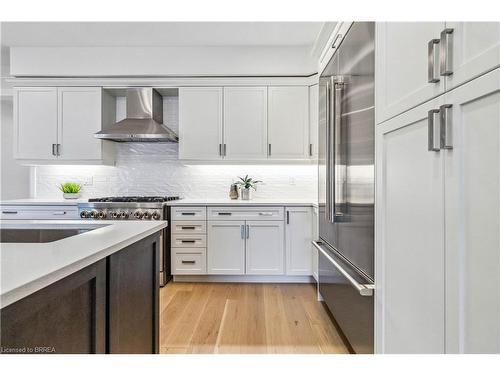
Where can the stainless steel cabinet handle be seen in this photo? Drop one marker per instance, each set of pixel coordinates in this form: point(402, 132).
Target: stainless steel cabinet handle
point(9, 212)
point(188, 262)
point(187, 228)
point(310, 149)
point(445, 131)
point(248, 231)
point(335, 40)
point(288, 217)
point(430, 137)
point(431, 73)
point(265, 214)
point(269, 149)
point(242, 232)
point(363, 289)
point(59, 213)
point(187, 213)
point(225, 154)
point(224, 213)
point(58, 149)
point(188, 241)
point(446, 52)
point(54, 152)
point(220, 149)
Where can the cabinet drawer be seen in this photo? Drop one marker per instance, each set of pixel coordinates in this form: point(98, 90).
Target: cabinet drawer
point(246, 213)
point(189, 227)
point(189, 261)
point(189, 240)
point(189, 213)
point(39, 213)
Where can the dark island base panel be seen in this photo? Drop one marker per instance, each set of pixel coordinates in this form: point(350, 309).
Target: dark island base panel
point(111, 306)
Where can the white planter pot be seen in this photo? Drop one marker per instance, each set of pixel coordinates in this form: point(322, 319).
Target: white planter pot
point(246, 194)
point(71, 195)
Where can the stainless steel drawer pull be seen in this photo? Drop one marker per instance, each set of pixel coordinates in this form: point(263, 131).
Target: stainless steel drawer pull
point(224, 213)
point(9, 212)
point(265, 213)
point(363, 289)
point(188, 241)
point(242, 232)
point(430, 135)
point(446, 53)
point(445, 136)
point(188, 262)
point(188, 228)
point(188, 213)
point(59, 213)
point(431, 73)
point(288, 217)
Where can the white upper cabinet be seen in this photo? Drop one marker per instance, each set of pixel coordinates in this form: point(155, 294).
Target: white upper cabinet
point(409, 254)
point(288, 127)
point(472, 216)
point(79, 118)
point(245, 123)
point(58, 125)
point(313, 120)
point(35, 119)
point(298, 237)
point(264, 248)
point(469, 49)
point(200, 123)
point(407, 66)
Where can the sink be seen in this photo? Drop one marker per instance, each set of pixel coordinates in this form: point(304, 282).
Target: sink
point(40, 235)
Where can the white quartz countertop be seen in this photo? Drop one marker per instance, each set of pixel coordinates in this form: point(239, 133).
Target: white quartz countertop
point(28, 267)
point(42, 201)
point(239, 202)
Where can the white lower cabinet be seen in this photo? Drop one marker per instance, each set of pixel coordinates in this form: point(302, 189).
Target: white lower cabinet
point(438, 225)
point(226, 248)
point(314, 250)
point(189, 261)
point(264, 248)
point(298, 241)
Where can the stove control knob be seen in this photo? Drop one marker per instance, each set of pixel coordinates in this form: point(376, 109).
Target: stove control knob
point(138, 214)
point(156, 215)
point(93, 214)
point(101, 215)
point(84, 214)
point(146, 216)
point(124, 215)
point(114, 215)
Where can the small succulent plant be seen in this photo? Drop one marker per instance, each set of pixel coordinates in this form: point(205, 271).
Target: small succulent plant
point(70, 188)
point(248, 182)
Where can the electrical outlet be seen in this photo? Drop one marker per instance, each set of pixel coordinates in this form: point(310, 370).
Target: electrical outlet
point(291, 180)
point(88, 181)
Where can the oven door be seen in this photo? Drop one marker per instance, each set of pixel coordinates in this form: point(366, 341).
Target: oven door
point(349, 297)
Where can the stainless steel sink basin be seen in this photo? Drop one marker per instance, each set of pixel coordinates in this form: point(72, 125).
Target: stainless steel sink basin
point(41, 234)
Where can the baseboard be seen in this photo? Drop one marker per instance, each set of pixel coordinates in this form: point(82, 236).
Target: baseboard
point(244, 279)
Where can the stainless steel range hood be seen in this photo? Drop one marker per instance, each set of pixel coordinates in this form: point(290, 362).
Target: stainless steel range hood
point(144, 121)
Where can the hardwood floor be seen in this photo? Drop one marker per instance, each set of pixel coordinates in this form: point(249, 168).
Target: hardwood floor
point(245, 318)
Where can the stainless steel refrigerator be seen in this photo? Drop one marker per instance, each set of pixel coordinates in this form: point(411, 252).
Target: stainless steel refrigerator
point(346, 185)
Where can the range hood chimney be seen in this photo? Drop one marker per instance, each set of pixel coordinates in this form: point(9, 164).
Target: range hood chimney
point(144, 121)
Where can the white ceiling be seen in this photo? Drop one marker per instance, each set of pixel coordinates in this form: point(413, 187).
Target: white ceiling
point(76, 34)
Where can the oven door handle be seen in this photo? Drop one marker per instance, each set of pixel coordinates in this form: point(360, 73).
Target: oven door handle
point(363, 289)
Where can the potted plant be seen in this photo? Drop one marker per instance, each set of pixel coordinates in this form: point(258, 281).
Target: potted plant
point(71, 190)
point(247, 184)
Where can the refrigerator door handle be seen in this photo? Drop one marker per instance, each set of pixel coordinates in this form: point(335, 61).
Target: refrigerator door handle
point(365, 290)
point(328, 151)
point(339, 167)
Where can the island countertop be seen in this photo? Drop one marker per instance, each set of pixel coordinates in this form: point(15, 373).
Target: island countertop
point(28, 267)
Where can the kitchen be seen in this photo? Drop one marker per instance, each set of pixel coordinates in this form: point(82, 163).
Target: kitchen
point(250, 187)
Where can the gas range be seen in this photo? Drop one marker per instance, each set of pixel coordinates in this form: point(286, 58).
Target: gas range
point(125, 208)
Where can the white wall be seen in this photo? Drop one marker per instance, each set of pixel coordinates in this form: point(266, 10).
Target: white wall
point(14, 178)
point(161, 61)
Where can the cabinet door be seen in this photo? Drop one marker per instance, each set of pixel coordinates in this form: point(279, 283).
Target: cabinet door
point(79, 117)
point(265, 248)
point(473, 217)
point(409, 253)
point(288, 128)
point(402, 62)
point(315, 236)
point(245, 123)
point(313, 121)
point(298, 240)
point(474, 48)
point(226, 248)
point(35, 121)
point(200, 123)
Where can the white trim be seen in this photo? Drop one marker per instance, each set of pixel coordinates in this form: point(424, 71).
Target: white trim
point(244, 279)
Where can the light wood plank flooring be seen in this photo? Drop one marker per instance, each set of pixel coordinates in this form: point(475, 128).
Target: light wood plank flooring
point(245, 318)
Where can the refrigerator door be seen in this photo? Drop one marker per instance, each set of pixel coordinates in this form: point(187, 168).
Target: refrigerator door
point(348, 178)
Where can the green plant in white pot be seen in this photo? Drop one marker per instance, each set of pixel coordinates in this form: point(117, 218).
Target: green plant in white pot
point(247, 184)
point(71, 190)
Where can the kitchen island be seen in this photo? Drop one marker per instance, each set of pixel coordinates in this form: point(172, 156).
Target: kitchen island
point(92, 292)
